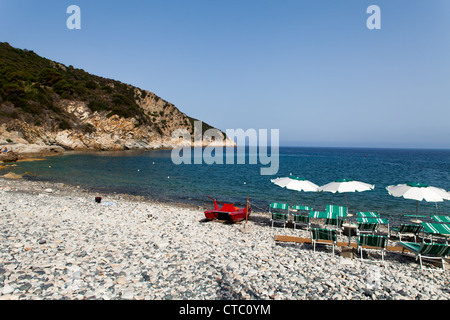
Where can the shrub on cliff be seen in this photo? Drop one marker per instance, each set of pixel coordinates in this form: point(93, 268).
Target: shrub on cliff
point(49, 77)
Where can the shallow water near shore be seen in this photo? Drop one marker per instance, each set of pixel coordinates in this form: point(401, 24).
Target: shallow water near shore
point(153, 174)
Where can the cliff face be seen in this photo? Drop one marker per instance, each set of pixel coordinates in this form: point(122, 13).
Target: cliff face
point(44, 103)
point(105, 133)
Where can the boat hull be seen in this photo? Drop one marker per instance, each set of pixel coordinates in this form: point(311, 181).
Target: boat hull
point(227, 212)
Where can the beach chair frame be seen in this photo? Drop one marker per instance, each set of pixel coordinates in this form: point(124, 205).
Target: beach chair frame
point(372, 243)
point(279, 213)
point(407, 230)
point(430, 251)
point(335, 224)
point(278, 207)
point(379, 221)
point(440, 230)
point(278, 217)
point(301, 219)
point(323, 236)
point(366, 228)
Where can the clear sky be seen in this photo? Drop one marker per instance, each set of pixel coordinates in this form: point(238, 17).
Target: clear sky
point(310, 68)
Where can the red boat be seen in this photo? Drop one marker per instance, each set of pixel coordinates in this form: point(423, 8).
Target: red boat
point(228, 212)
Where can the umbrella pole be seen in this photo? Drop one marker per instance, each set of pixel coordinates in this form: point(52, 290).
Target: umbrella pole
point(246, 213)
point(293, 201)
point(346, 200)
point(417, 208)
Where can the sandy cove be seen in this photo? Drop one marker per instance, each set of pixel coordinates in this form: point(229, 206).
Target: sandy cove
point(57, 243)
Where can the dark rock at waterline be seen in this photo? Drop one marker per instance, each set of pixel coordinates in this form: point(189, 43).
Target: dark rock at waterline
point(9, 156)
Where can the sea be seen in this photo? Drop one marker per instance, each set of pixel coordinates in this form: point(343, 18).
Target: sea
point(155, 176)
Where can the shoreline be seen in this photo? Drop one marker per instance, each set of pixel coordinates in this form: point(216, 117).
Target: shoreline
point(60, 244)
point(23, 185)
point(28, 157)
point(44, 154)
point(259, 205)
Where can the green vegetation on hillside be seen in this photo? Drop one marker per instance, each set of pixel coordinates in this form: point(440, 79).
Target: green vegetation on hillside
point(31, 86)
point(32, 89)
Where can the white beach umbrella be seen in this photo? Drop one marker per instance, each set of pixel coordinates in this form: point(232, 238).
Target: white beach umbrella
point(445, 194)
point(296, 184)
point(345, 185)
point(418, 192)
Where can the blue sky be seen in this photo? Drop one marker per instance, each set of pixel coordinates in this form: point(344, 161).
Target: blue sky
point(311, 69)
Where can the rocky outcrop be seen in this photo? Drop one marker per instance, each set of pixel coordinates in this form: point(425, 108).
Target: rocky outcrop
point(44, 104)
point(99, 131)
point(9, 156)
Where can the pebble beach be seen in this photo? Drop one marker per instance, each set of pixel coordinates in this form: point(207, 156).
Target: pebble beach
point(57, 243)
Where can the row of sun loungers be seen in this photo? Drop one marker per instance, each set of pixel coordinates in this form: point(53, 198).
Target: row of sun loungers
point(367, 227)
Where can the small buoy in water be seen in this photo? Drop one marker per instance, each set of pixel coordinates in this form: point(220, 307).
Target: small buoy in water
point(245, 182)
point(168, 177)
point(138, 169)
point(153, 163)
point(49, 166)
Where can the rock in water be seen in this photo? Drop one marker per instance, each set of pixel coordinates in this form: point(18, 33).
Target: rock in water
point(9, 156)
point(12, 175)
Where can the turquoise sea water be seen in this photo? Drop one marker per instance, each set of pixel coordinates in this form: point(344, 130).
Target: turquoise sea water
point(153, 174)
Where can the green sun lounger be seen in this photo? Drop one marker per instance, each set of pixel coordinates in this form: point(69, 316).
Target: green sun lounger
point(338, 210)
point(323, 215)
point(365, 228)
point(301, 219)
point(407, 229)
point(278, 207)
point(335, 224)
point(323, 236)
point(371, 242)
point(441, 219)
point(440, 229)
point(301, 208)
point(370, 214)
point(279, 213)
point(319, 215)
point(279, 217)
point(427, 251)
point(374, 220)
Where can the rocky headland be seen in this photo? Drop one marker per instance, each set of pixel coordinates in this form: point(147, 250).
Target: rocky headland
point(47, 107)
